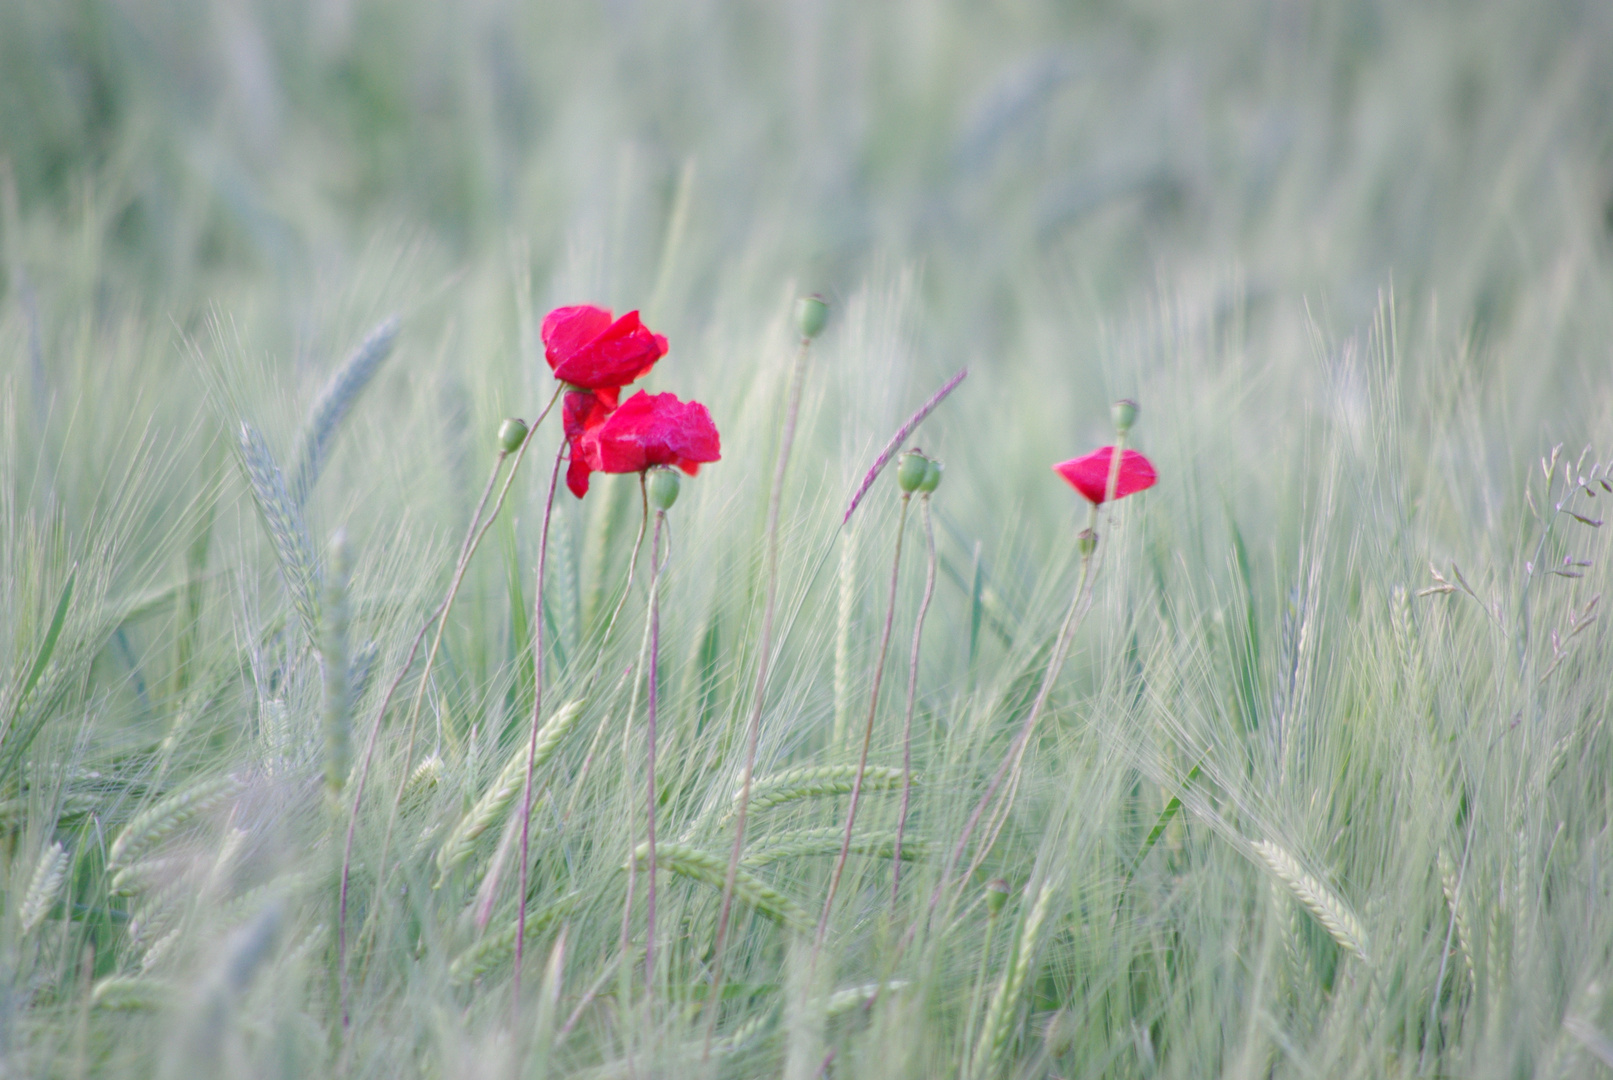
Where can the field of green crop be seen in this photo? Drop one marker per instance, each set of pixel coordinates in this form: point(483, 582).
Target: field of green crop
point(1304, 771)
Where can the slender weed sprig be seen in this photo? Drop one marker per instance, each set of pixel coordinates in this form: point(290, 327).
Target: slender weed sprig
point(927, 486)
point(810, 314)
point(525, 866)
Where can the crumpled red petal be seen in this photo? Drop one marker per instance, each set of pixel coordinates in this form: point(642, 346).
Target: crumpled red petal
point(656, 429)
point(1090, 474)
point(586, 349)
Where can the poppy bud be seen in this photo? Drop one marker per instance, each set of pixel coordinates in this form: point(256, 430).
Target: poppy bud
point(1086, 541)
point(932, 476)
point(996, 896)
point(1124, 414)
point(911, 470)
point(664, 487)
point(810, 315)
point(511, 434)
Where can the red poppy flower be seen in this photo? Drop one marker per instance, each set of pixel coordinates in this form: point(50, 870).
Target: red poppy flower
point(586, 349)
point(646, 430)
point(1090, 474)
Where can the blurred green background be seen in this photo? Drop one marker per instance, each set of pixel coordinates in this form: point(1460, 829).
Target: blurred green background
point(1320, 149)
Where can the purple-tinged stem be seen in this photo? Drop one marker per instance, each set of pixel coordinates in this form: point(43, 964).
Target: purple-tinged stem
point(912, 695)
point(900, 437)
point(532, 740)
point(868, 731)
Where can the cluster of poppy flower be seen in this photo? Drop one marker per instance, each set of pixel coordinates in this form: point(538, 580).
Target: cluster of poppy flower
point(596, 355)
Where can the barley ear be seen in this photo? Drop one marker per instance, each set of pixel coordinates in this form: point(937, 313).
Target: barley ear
point(283, 522)
point(491, 807)
point(43, 886)
point(167, 816)
point(815, 781)
point(697, 865)
point(335, 399)
point(992, 1049)
point(1334, 915)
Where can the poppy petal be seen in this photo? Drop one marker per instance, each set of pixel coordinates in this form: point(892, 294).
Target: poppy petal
point(1090, 474)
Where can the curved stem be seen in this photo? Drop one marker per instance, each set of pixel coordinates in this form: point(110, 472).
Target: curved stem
point(912, 694)
point(532, 740)
point(763, 656)
point(868, 731)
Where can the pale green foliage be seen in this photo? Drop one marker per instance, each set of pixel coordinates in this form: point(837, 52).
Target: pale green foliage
point(1353, 261)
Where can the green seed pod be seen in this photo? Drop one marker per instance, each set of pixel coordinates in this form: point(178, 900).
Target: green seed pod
point(664, 486)
point(932, 476)
point(511, 434)
point(911, 470)
point(1087, 541)
point(810, 314)
point(1124, 414)
point(996, 896)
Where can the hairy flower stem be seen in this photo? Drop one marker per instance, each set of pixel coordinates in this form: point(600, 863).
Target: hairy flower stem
point(467, 551)
point(868, 730)
point(525, 866)
point(1016, 751)
point(763, 656)
point(912, 694)
point(652, 677)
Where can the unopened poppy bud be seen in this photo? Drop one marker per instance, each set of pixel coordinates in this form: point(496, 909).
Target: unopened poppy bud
point(664, 486)
point(932, 476)
point(911, 470)
point(1124, 414)
point(511, 434)
point(1086, 541)
point(996, 896)
point(810, 315)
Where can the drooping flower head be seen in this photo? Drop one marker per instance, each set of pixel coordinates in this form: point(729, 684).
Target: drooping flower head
point(1090, 474)
point(645, 431)
point(585, 348)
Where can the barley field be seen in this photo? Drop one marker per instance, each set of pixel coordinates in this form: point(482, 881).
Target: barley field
point(339, 737)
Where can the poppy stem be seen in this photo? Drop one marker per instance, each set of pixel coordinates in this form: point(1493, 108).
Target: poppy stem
point(652, 677)
point(439, 615)
point(1079, 603)
point(912, 693)
point(764, 648)
point(532, 741)
point(599, 659)
point(868, 731)
point(626, 940)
